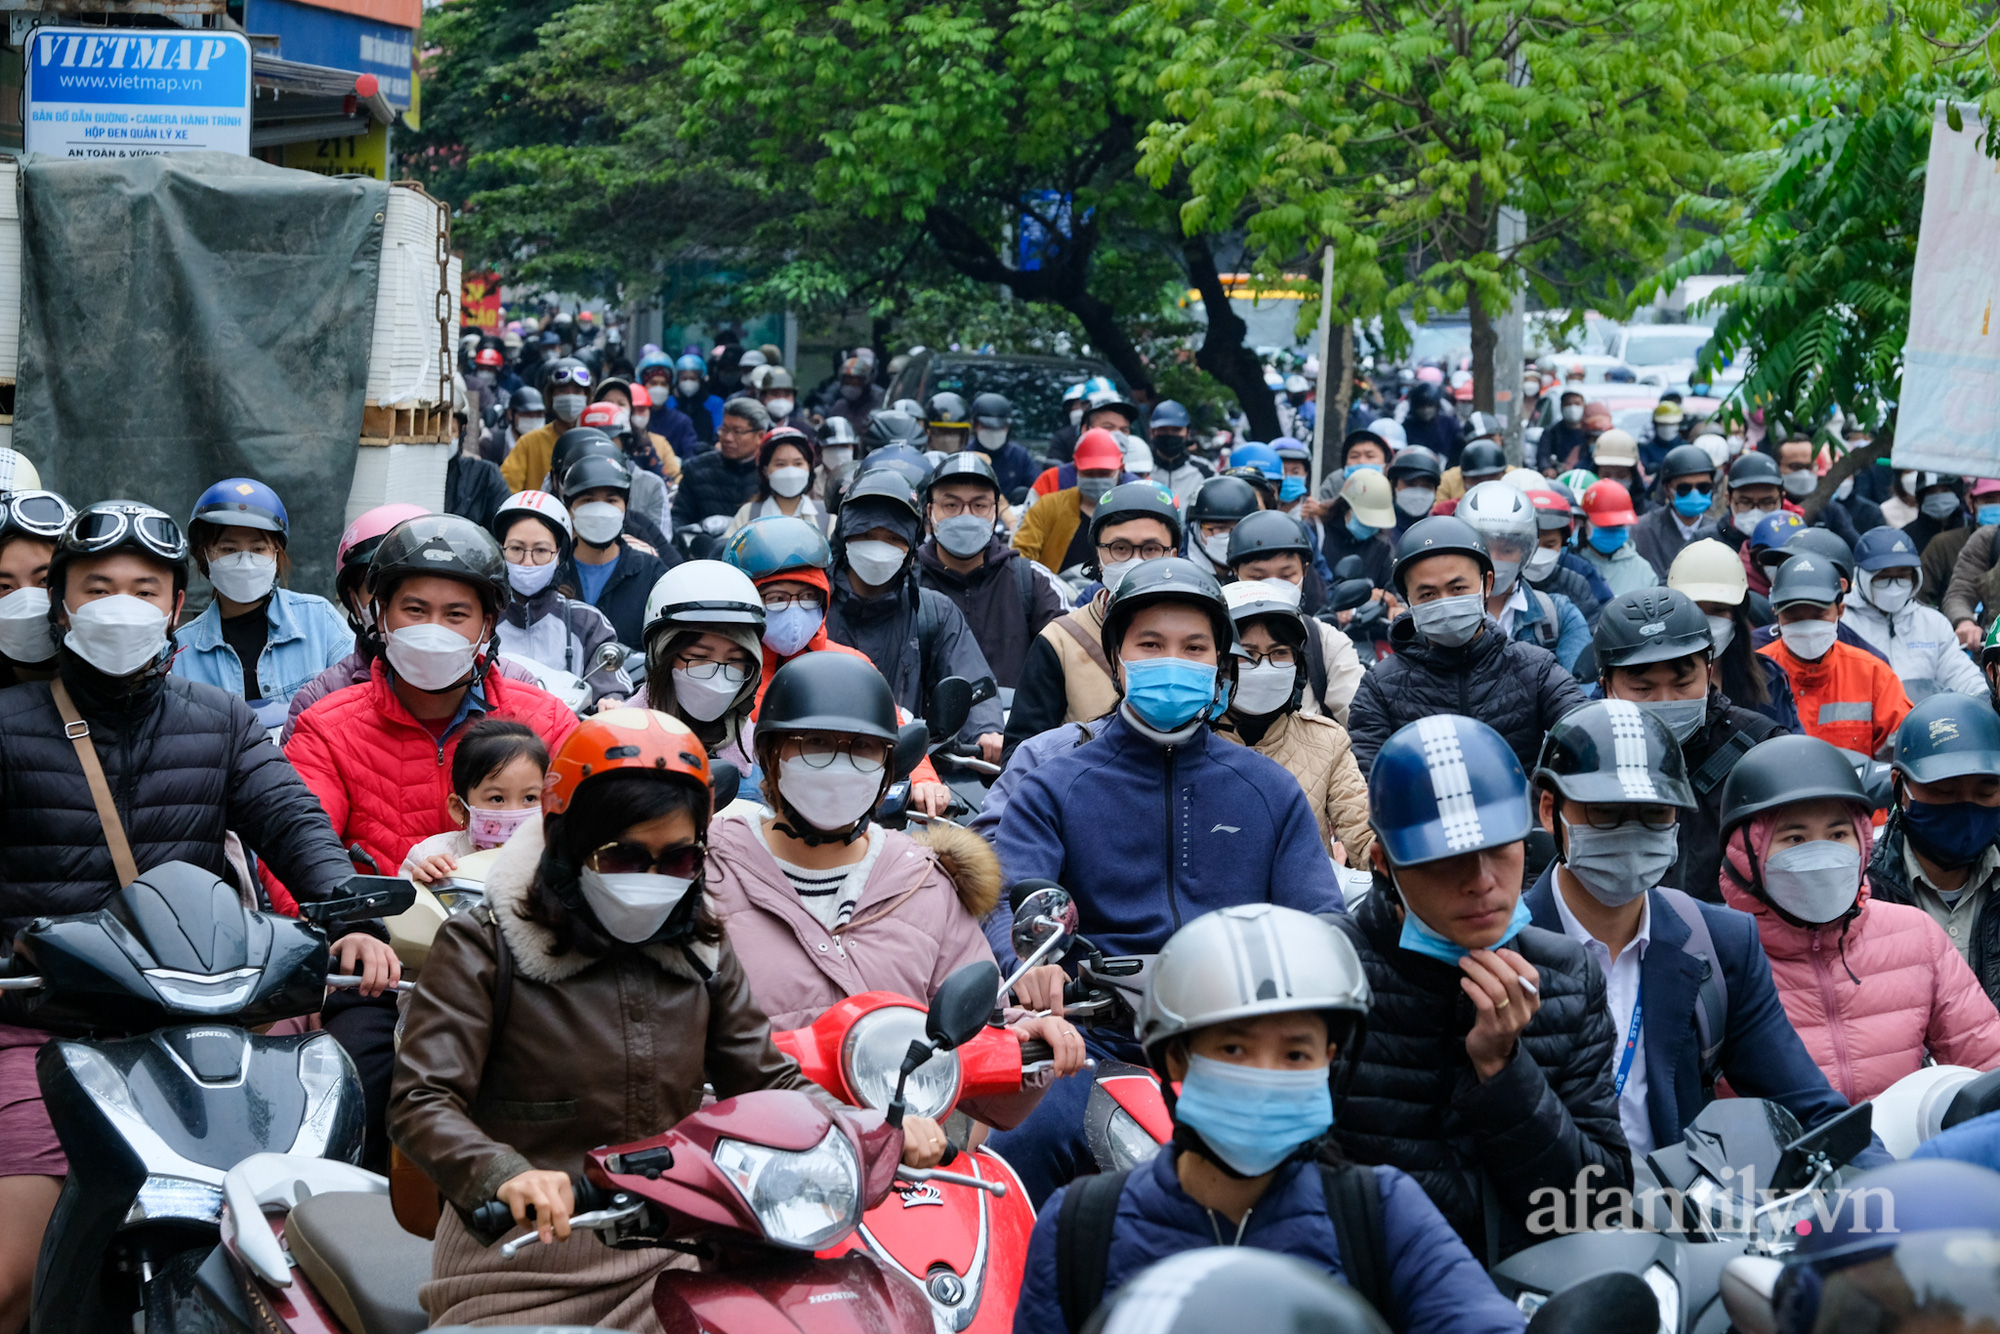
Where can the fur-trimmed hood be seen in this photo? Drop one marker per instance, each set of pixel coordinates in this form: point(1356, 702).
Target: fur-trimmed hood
point(533, 944)
point(968, 861)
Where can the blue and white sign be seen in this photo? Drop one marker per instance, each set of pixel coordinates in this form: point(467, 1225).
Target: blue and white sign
point(315, 36)
point(122, 92)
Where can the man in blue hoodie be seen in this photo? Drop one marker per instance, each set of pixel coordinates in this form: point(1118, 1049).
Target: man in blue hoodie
point(1154, 823)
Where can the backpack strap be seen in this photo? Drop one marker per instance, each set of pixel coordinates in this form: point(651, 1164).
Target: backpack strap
point(1071, 623)
point(1083, 1244)
point(1716, 768)
point(1354, 1202)
point(1316, 662)
point(1549, 629)
point(503, 987)
point(1711, 1013)
point(929, 621)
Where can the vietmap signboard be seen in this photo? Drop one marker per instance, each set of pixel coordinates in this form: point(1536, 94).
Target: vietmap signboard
point(112, 92)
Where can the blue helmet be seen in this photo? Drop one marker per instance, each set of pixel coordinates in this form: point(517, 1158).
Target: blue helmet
point(1444, 785)
point(690, 362)
point(1170, 414)
point(242, 502)
point(776, 543)
point(1947, 735)
point(1262, 457)
point(1098, 384)
point(1075, 392)
point(1774, 529)
point(1886, 548)
point(650, 360)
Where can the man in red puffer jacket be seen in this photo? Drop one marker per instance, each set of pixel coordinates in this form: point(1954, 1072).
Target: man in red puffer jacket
point(378, 754)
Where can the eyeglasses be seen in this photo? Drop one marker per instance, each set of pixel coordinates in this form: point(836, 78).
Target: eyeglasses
point(521, 555)
point(683, 861)
point(1123, 550)
point(948, 507)
point(43, 513)
point(785, 601)
point(868, 753)
point(1655, 818)
point(704, 669)
point(1691, 488)
point(1279, 656)
point(106, 526)
point(570, 375)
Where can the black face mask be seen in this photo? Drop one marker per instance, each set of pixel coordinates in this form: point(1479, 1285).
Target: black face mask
point(1170, 449)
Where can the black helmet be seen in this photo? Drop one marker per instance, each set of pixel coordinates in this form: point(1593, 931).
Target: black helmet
point(1686, 461)
point(571, 366)
point(525, 399)
point(592, 471)
point(890, 427)
point(884, 484)
point(1945, 736)
point(967, 466)
point(1481, 458)
point(1135, 500)
point(117, 525)
point(1416, 461)
point(1424, 394)
point(1268, 533)
point(906, 462)
point(1239, 1287)
point(1650, 625)
point(828, 692)
point(1168, 579)
point(1222, 500)
point(573, 444)
point(838, 431)
point(444, 545)
point(1754, 468)
point(1612, 752)
point(947, 411)
point(1783, 770)
point(1439, 535)
point(992, 411)
point(1823, 541)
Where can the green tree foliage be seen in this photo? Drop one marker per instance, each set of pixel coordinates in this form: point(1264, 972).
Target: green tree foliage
point(1397, 129)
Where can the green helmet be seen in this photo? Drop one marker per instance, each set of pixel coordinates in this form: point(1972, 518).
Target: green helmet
point(1578, 480)
point(1990, 653)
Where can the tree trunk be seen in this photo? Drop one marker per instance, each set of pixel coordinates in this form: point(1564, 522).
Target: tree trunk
point(1222, 353)
point(1343, 388)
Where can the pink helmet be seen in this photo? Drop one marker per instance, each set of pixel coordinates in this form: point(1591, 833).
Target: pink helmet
point(358, 544)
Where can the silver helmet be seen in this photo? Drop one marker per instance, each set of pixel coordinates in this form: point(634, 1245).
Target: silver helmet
point(1246, 961)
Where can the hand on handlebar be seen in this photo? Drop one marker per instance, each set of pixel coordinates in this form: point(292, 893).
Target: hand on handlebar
point(544, 1198)
point(378, 965)
point(989, 746)
point(924, 1144)
point(1064, 1041)
point(1042, 988)
point(929, 798)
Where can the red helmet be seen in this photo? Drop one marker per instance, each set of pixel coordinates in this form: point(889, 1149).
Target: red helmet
point(620, 739)
point(1609, 504)
point(488, 356)
point(1098, 448)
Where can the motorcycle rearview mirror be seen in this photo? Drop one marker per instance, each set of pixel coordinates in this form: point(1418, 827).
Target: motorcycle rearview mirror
point(363, 898)
point(610, 657)
point(950, 704)
point(1347, 568)
point(725, 780)
point(1617, 1303)
point(1351, 593)
point(1977, 1098)
point(961, 1006)
point(913, 743)
point(1836, 1139)
point(1046, 915)
point(983, 689)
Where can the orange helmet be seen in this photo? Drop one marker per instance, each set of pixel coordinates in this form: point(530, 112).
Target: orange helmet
point(620, 739)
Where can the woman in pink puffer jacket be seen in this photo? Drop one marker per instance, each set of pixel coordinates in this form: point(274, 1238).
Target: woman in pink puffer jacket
point(1870, 987)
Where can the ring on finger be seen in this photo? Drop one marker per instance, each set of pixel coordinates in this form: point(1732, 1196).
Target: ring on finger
point(1504, 1003)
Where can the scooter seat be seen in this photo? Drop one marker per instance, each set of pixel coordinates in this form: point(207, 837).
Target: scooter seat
point(365, 1268)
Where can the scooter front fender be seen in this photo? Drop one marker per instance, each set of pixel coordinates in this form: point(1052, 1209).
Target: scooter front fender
point(852, 1294)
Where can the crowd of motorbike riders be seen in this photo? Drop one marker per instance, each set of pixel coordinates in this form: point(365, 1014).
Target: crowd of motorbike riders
point(1450, 795)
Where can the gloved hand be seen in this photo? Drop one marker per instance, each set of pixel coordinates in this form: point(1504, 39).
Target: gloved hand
point(715, 525)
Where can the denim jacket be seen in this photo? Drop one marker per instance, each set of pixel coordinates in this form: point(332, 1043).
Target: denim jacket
point(307, 636)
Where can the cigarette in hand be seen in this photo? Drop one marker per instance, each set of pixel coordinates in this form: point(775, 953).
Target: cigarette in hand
point(1528, 986)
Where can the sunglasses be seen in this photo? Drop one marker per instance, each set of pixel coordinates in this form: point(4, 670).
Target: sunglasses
point(681, 862)
point(1688, 488)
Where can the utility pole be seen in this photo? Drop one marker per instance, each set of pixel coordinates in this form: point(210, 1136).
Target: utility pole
point(1322, 404)
point(1508, 356)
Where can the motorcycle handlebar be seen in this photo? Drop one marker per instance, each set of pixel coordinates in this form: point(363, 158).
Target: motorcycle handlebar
point(354, 980)
point(1034, 1051)
point(494, 1219)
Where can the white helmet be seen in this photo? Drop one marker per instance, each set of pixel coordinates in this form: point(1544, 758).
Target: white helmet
point(17, 474)
point(708, 595)
point(1246, 961)
point(1709, 571)
point(538, 503)
point(1505, 520)
point(1616, 447)
point(1391, 430)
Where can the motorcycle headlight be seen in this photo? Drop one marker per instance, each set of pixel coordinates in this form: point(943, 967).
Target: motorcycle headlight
point(872, 1056)
point(327, 1073)
point(1130, 1144)
point(458, 897)
point(175, 1197)
point(1667, 1292)
point(803, 1200)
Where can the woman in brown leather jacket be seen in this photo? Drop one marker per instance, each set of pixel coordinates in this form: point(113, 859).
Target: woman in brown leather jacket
point(623, 999)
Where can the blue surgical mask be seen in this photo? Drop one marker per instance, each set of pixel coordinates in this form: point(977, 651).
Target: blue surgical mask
point(1292, 488)
point(1169, 693)
point(789, 630)
point(1360, 531)
point(1692, 505)
point(1608, 540)
point(1353, 468)
point(1252, 1118)
point(1953, 834)
point(1420, 939)
point(1988, 515)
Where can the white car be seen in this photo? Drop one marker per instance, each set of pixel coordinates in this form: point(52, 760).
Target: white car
point(1662, 354)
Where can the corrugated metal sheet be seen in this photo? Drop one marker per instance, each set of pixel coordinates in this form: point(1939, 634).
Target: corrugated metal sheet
point(116, 6)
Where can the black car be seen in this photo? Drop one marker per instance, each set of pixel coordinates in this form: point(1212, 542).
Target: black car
point(1034, 385)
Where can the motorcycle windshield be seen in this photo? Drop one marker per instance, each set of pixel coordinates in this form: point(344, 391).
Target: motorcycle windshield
point(1939, 1282)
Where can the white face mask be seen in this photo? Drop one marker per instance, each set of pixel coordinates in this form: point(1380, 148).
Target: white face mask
point(836, 457)
point(243, 576)
point(1810, 640)
point(24, 626)
point(1263, 689)
point(528, 580)
point(570, 406)
point(779, 408)
point(874, 563)
point(524, 424)
point(789, 482)
point(1572, 413)
point(1416, 501)
point(1540, 565)
point(1887, 595)
point(598, 522)
point(829, 799)
point(1799, 484)
point(1217, 548)
point(1116, 570)
point(429, 656)
point(705, 699)
point(1284, 590)
point(787, 632)
point(632, 907)
point(1076, 416)
point(1723, 630)
point(118, 634)
point(991, 437)
point(491, 828)
point(689, 386)
point(1814, 882)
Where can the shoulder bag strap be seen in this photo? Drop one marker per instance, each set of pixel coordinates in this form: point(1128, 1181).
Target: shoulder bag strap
point(503, 989)
point(1354, 1201)
point(1069, 623)
point(78, 732)
point(1712, 1010)
point(1083, 1244)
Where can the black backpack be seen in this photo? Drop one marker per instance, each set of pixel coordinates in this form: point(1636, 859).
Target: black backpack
point(1090, 1208)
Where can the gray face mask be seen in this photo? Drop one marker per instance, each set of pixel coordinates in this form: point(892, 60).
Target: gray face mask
point(1450, 622)
point(1683, 717)
point(964, 535)
point(1618, 865)
point(1939, 505)
point(1093, 488)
